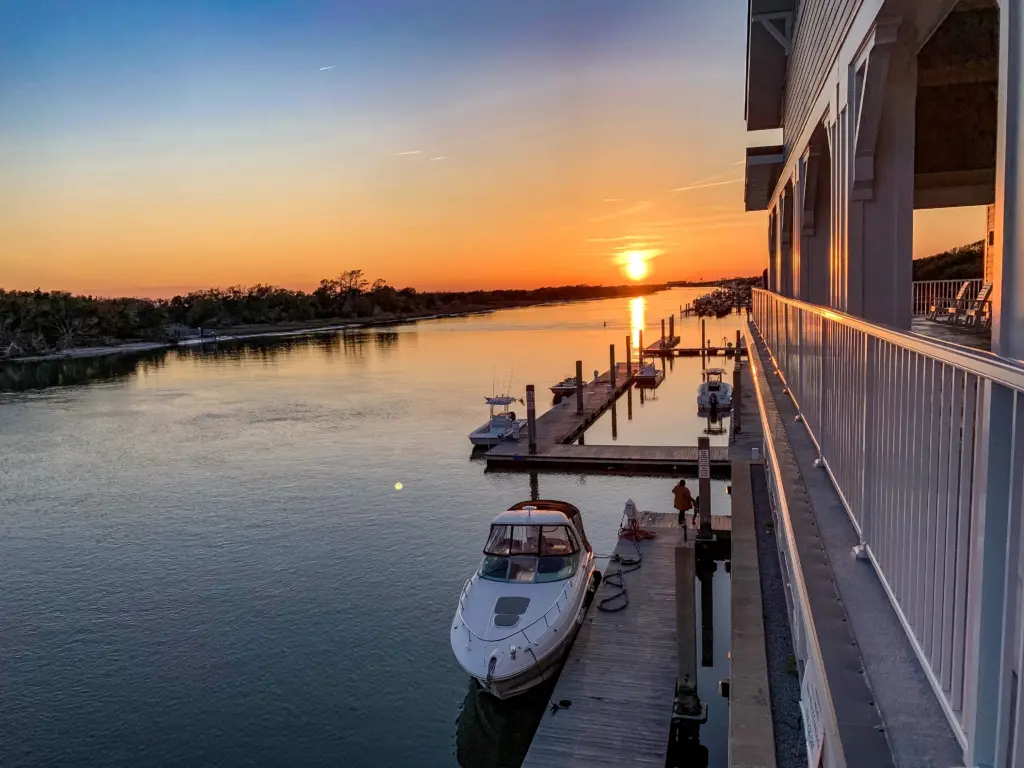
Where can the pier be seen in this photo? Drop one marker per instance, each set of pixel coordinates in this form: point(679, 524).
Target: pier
point(623, 673)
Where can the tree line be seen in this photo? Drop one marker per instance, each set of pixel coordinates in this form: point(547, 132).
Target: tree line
point(41, 322)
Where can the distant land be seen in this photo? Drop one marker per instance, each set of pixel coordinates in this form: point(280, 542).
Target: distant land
point(964, 262)
point(37, 325)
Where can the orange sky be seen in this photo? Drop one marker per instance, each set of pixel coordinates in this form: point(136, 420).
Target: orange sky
point(528, 160)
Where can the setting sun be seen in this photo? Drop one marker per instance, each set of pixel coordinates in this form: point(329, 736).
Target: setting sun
point(636, 265)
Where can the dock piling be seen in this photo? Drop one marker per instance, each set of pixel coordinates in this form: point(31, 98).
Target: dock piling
point(629, 357)
point(671, 326)
point(704, 485)
point(663, 332)
point(531, 418)
point(579, 386)
point(611, 365)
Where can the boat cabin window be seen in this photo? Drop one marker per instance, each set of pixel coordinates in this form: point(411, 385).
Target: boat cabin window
point(530, 553)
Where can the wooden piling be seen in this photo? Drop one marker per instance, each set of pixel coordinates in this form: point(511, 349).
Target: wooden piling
point(671, 326)
point(579, 386)
point(531, 418)
point(686, 631)
point(704, 484)
point(703, 346)
point(611, 364)
point(663, 332)
point(629, 356)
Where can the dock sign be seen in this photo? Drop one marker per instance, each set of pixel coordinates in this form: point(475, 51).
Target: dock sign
point(530, 402)
point(703, 463)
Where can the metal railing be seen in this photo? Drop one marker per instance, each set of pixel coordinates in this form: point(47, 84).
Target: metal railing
point(927, 293)
point(924, 443)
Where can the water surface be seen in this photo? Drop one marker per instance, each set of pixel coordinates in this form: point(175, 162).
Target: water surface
point(207, 561)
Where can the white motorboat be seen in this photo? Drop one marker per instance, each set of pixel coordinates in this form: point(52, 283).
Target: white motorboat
point(519, 613)
point(565, 386)
point(649, 376)
point(501, 425)
point(714, 395)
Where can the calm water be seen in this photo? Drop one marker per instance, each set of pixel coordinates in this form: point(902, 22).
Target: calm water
point(206, 560)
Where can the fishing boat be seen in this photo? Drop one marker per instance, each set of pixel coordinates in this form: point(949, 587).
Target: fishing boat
point(649, 376)
point(501, 425)
point(565, 387)
point(714, 395)
point(519, 613)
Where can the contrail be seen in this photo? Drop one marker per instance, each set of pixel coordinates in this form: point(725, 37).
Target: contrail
point(411, 152)
point(324, 69)
point(703, 186)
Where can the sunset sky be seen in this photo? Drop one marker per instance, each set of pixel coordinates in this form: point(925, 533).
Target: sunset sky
point(151, 147)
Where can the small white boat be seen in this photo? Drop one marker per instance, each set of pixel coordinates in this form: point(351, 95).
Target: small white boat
point(648, 376)
point(519, 613)
point(565, 387)
point(500, 426)
point(714, 395)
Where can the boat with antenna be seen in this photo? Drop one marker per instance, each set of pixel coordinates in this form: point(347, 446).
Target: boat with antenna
point(519, 613)
point(502, 423)
point(714, 395)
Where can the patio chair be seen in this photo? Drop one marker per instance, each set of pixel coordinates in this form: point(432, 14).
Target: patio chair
point(978, 312)
point(950, 310)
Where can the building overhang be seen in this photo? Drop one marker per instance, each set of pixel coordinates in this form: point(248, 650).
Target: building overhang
point(769, 39)
point(763, 166)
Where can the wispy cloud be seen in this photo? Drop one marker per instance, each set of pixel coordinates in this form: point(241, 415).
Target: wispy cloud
point(643, 205)
point(613, 200)
point(411, 152)
point(324, 69)
point(439, 157)
point(705, 186)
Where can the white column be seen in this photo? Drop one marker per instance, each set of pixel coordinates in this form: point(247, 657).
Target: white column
point(773, 250)
point(785, 227)
point(813, 226)
point(880, 228)
point(1008, 264)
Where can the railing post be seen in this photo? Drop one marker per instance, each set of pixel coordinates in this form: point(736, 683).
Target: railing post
point(867, 441)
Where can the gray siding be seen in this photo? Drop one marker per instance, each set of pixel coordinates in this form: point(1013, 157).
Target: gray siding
point(820, 28)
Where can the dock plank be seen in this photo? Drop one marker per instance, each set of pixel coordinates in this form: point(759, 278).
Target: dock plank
point(621, 673)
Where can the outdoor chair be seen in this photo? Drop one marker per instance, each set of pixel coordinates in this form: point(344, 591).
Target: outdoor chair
point(978, 312)
point(950, 310)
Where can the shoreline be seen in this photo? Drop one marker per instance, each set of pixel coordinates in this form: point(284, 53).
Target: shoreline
point(282, 330)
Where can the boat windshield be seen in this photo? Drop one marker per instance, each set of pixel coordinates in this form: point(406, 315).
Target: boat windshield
point(530, 553)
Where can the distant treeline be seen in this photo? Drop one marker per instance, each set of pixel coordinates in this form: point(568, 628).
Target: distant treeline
point(962, 263)
point(41, 322)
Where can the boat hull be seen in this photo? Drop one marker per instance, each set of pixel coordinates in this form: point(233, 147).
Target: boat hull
point(546, 667)
point(545, 655)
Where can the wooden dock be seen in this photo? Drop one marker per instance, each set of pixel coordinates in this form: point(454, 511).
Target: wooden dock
point(620, 676)
point(562, 423)
point(675, 460)
point(651, 351)
point(662, 345)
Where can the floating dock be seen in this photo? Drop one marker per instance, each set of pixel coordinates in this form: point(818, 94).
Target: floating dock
point(651, 351)
point(675, 460)
point(620, 675)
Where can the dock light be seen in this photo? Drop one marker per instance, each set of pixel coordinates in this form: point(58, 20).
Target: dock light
point(398, 486)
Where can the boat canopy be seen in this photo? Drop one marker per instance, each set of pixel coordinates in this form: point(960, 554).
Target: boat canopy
point(501, 400)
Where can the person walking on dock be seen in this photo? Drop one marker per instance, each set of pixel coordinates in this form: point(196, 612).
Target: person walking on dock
point(682, 500)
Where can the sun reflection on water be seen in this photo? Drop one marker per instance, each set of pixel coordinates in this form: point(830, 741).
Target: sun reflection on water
point(636, 320)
